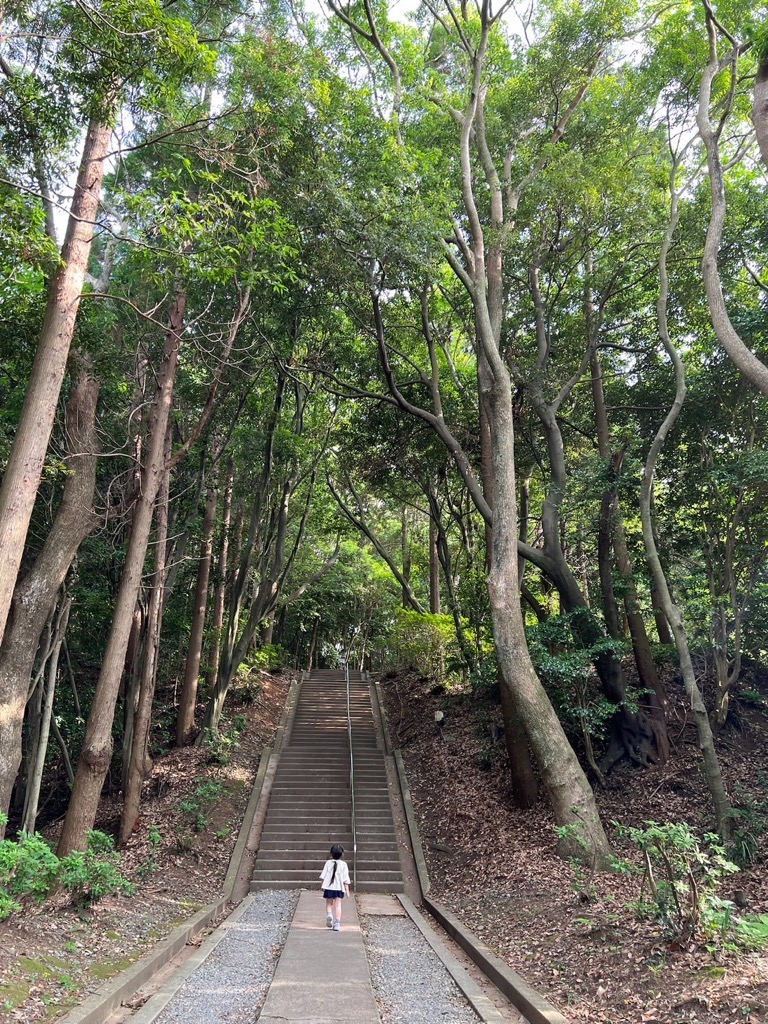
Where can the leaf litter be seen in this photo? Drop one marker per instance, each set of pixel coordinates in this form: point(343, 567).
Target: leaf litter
point(53, 955)
point(497, 868)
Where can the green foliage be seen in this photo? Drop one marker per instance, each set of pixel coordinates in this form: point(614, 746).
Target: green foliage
point(563, 649)
point(426, 643)
point(221, 742)
point(750, 819)
point(194, 807)
point(683, 875)
point(29, 867)
point(95, 872)
point(570, 838)
point(36, 869)
point(150, 865)
point(751, 930)
point(267, 657)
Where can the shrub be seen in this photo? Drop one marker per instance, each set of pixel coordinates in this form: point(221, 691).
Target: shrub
point(193, 807)
point(682, 875)
point(425, 643)
point(95, 872)
point(29, 867)
point(221, 744)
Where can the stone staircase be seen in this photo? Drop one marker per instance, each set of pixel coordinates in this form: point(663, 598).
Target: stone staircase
point(310, 806)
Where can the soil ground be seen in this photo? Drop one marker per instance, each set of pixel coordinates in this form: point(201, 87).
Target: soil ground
point(575, 938)
point(52, 956)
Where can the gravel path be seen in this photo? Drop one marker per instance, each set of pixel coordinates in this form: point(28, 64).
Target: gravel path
point(232, 983)
point(410, 983)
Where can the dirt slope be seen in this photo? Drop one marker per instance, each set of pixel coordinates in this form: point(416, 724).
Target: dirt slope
point(578, 943)
point(52, 956)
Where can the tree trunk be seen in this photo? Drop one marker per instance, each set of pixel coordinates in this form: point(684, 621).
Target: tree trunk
point(185, 722)
point(217, 620)
point(434, 570)
point(138, 762)
point(653, 700)
point(711, 764)
point(740, 354)
point(21, 478)
point(524, 787)
point(177, 553)
point(35, 595)
point(572, 799)
point(313, 644)
point(444, 555)
point(96, 753)
point(611, 532)
point(405, 550)
point(659, 617)
point(760, 108)
point(32, 795)
point(523, 526)
point(131, 685)
point(523, 783)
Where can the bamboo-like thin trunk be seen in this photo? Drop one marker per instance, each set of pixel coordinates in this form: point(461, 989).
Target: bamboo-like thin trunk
point(32, 795)
point(96, 753)
point(222, 573)
point(185, 722)
point(673, 614)
point(434, 570)
point(138, 760)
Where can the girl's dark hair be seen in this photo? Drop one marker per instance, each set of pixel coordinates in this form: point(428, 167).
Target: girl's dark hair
point(336, 851)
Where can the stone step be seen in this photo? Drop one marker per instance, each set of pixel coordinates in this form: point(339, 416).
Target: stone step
point(323, 838)
point(320, 852)
point(305, 822)
point(370, 865)
point(300, 802)
point(299, 769)
point(309, 877)
point(310, 805)
point(318, 847)
point(376, 788)
point(280, 883)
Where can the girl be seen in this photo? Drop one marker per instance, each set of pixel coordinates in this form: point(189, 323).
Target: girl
point(334, 884)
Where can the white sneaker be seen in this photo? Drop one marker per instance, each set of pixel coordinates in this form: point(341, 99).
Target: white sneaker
point(329, 921)
point(337, 926)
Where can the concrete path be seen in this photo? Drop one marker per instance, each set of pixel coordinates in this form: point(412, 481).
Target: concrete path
point(322, 976)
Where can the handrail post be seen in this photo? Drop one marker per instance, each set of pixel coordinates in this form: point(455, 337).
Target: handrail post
point(351, 776)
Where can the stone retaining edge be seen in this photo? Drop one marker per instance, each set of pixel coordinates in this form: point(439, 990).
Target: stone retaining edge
point(113, 993)
point(474, 995)
point(158, 1001)
point(413, 827)
point(518, 991)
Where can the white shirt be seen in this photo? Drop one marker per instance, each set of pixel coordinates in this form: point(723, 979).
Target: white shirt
point(342, 875)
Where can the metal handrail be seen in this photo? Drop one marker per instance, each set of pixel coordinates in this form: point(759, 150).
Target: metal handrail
point(351, 777)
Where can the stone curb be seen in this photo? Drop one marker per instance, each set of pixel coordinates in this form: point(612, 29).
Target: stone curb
point(113, 993)
point(410, 815)
point(160, 999)
point(474, 995)
point(518, 991)
point(376, 685)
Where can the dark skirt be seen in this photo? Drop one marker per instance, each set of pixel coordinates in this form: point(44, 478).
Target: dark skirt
point(333, 894)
